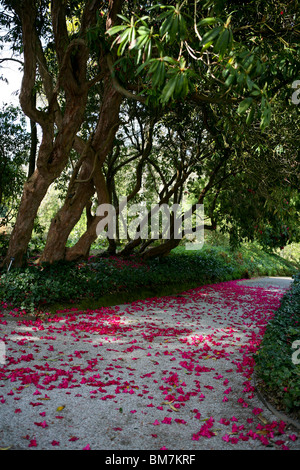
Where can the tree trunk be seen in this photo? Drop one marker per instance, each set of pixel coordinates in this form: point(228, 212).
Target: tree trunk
point(34, 191)
point(161, 250)
point(33, 142)
point(54, 149)
point(64, 221)
point(82, 248)
point(68, 216)
point(52, 159)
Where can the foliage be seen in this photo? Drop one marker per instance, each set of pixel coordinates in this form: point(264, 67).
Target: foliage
point(4, 240)
point(216, 76)
point(220, 47)
point(14, 148)
point(274, 364)
point(35, 286)
point(40, 286)
point(291, 252)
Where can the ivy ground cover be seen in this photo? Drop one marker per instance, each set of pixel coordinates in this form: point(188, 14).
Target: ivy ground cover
point(159, 374)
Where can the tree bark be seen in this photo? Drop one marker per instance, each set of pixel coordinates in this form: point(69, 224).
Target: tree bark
point(34, 191)
point(66, 219)
point(82, 248)
point(83, 188)
point(90, 176)
point(33, 143)
point(165, 248)
point(54, 149)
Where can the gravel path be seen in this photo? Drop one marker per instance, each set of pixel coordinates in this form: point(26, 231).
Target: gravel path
point(173, 373)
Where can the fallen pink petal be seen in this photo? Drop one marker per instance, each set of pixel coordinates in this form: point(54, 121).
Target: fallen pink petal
point(90, 374)
point(32, 443)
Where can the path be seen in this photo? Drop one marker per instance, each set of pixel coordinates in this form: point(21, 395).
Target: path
point(171, 373)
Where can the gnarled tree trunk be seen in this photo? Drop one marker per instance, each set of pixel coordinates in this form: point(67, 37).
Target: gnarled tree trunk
point(82, 188)
point(54, 150)
point(59, 124)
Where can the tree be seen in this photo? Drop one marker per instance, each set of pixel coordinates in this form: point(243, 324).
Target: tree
point(84, 61)
point(62, 69)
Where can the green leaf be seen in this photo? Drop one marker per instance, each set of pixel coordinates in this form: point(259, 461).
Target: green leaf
point(266, 114)
point(222, 42)
point(141, 67)
point(230, 41)
point(240, 78)
point(175, 26)
point(259, 68)
point(159, 76)
point(144, 30)
point(140, 42)
point(148, 49)
point(123, 43)
point(116, 29)
point(230, 79)
point(255, 92)
point(250, 116)
point(249, 83)
point(209, 21)
point(124, 18)
point(211, 35)
point(207, 45)
point(182, 28)
point(154, 66)
point(170, 60)
point(182, 87)
point(165, 27)
point(169, 89)
point(244, 105)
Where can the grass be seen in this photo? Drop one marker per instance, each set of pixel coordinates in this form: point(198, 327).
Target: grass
point(247, 261)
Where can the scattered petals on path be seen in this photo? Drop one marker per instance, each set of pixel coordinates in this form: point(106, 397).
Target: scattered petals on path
point(183, 364)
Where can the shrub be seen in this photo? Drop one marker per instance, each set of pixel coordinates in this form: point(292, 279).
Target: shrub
point(37, 286)
point(275, 366)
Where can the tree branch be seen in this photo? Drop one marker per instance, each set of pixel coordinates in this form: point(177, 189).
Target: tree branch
point(28, 14)
point(119, 88)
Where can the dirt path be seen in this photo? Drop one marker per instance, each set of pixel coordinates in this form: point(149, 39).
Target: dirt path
point(172, 373)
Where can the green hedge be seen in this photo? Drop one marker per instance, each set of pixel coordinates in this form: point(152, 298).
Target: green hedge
point(37, 287)
point(276, 360)
point(61, 282)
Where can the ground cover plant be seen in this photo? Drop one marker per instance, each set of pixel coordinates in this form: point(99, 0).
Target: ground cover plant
point(35, 288)
point(277, 363)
